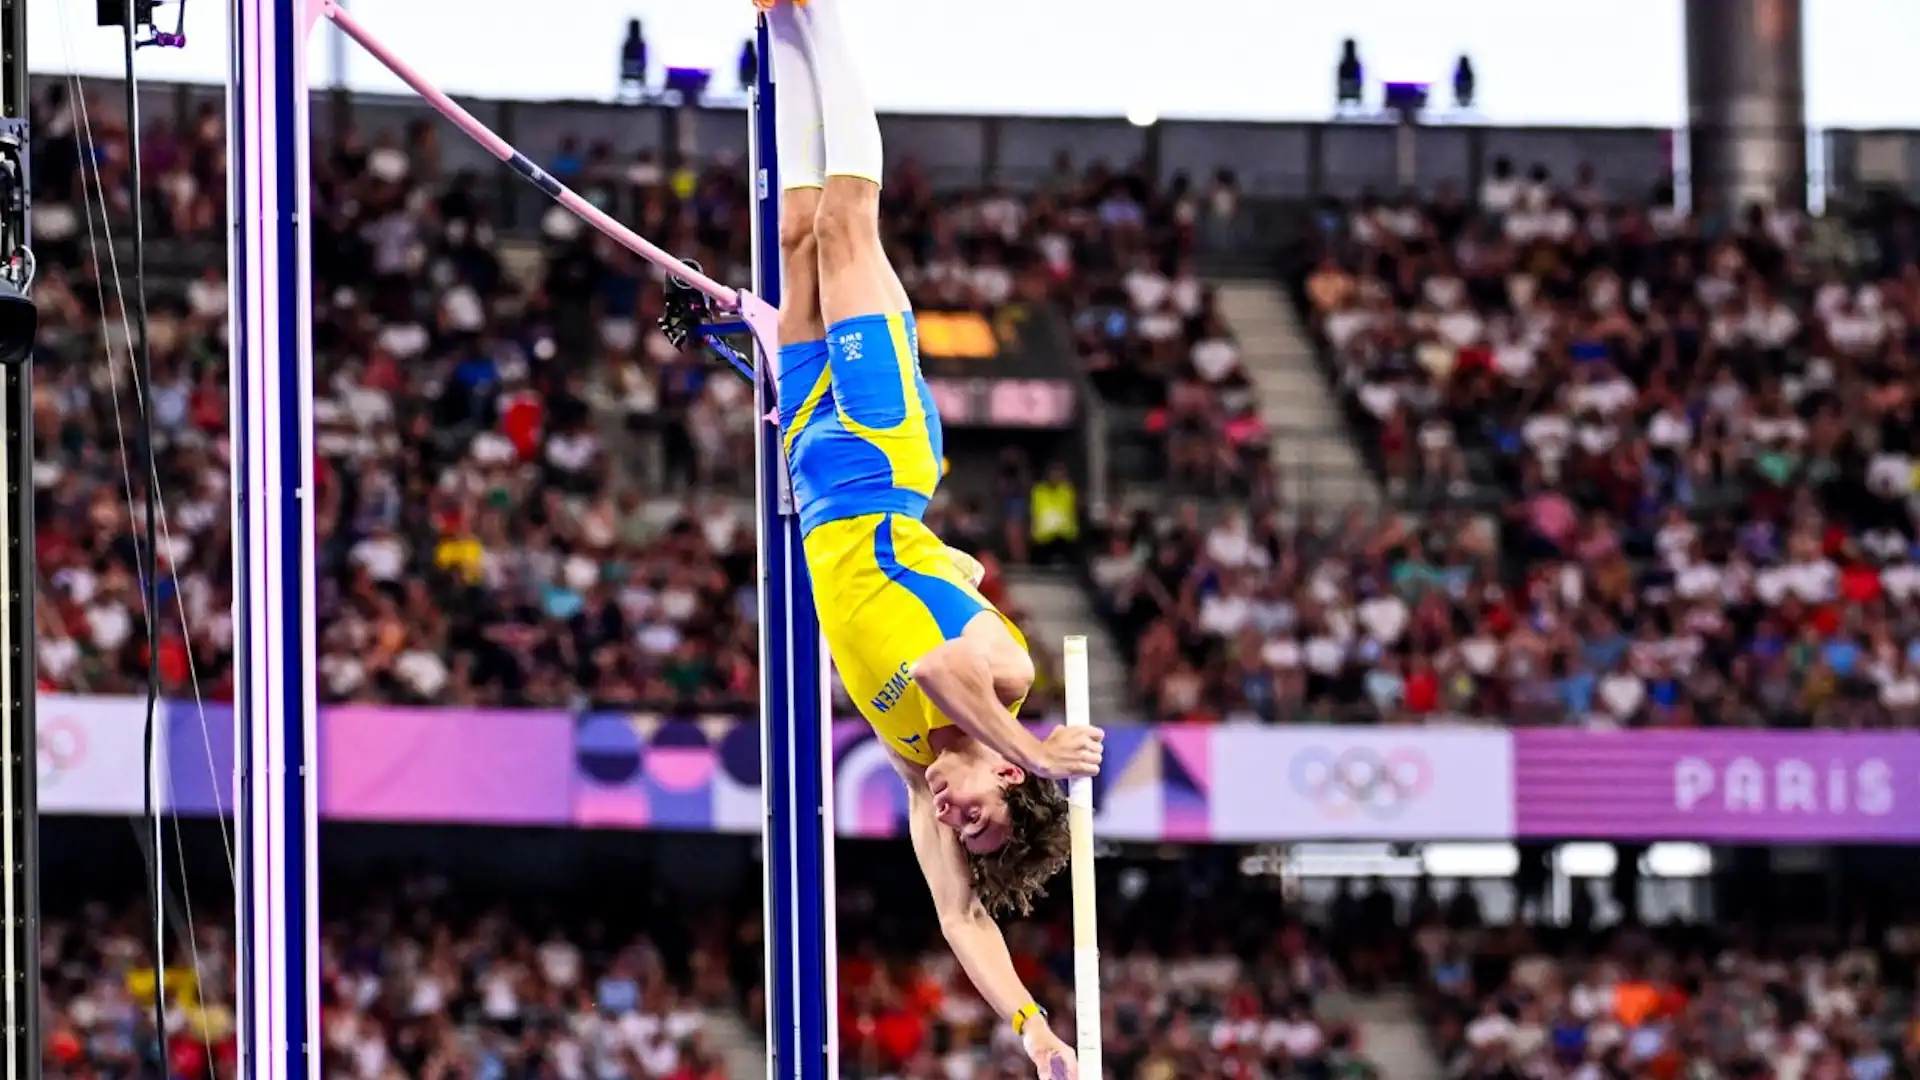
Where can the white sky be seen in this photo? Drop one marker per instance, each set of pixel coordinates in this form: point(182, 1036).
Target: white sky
point(1586, 62)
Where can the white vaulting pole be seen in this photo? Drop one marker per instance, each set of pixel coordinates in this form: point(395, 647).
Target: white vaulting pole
point(1086, 924)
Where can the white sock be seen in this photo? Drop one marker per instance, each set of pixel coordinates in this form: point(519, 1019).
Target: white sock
point(796, 105)
point(852, 127)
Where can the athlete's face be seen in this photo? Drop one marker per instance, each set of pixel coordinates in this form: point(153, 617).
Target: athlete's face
point(970, 798)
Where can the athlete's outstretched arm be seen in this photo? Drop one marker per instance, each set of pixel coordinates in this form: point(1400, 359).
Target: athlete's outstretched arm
point(975, 938)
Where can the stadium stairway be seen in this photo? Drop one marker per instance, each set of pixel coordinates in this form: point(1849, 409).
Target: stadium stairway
point(1057, 604)
point(1312, 448)
point(1393, 1038)
point(741, 1049)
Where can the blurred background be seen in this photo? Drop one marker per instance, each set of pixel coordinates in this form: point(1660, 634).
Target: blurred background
point(1479, 440)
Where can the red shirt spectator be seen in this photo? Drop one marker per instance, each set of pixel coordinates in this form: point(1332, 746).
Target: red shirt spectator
point(1423, 690)
point(522, 418)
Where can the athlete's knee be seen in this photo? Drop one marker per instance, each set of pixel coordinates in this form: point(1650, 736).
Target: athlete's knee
point(800, 318)
point(796, 232)
point(847, 226)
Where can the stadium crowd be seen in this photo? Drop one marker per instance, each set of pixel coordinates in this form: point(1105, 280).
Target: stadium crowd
point(1662, 465)
point(497, 432)
point(425, 978)
point(1672, 1001)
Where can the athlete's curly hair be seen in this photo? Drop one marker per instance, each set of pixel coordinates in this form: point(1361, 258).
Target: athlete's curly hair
point(1008, 880)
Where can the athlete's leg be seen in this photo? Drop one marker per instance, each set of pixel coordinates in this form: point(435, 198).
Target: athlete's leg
point(802, 156)
point(856, 277)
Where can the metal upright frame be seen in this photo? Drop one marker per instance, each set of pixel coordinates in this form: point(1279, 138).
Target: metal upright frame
point(269, 276)
point(19, 757)
point(796, 731)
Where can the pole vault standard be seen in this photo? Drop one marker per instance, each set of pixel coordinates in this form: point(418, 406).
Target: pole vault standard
point(270, 278)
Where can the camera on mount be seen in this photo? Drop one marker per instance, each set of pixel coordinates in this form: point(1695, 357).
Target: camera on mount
point(19, 317)
point(1407, 100)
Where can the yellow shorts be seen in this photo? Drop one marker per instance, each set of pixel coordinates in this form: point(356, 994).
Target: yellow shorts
point(888, 594)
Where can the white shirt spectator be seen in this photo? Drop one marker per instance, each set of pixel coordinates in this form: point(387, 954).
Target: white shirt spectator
point(1324, 654)
point(59, 656)
point(405, 340)
point(499, 996)
point(109, 625)
point(1302, 1039)
point(1622, 693)
point(1385, 618)
point(1224, 614)
point(1146, 289)
point(1499, 194)
point(1489, 1029)
point(1215, 358)
point(1343, 326)
point(462, 309)
point(1548, 435)
point(490, 448)
point(1230, 543)
point(1459, 328)
point(573, 451)
point(422, 671)
point(1670, 429)
point(384, 558)
point(1158, 325)
point(1771, 326)
point(1696, 580)
point(1900, 689)
point(1002, 215)
point(992, 284)
point(389, 164)
point(1815, 581)
point(1188, 293)
point(1606, 396)
point(343, 673)
point(207, 299)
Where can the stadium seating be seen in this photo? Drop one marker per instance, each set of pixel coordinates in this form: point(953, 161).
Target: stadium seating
point(425, 978)
point(493, 528)
point(1661, 465)
point(1675, 1001)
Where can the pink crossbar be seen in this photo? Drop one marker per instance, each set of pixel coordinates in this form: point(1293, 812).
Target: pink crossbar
point(757, 313)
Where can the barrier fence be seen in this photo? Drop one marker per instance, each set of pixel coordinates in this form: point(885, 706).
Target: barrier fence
point(687, 772)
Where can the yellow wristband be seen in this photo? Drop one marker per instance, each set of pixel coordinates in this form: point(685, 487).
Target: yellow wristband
point(1025, 1015)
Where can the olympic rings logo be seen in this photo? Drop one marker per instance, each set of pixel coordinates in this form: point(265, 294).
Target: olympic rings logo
point(60, 745)
point(1359, 781)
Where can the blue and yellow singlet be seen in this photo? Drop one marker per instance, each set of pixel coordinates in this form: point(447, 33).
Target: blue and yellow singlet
point(864, 450)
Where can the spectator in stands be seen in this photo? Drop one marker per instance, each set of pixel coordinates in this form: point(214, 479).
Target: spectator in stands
point(1054, 518)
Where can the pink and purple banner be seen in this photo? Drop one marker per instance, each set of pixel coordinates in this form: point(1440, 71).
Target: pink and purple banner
point(1718, 785)
point(651, 770)
point(624, 770)
point(449, 766)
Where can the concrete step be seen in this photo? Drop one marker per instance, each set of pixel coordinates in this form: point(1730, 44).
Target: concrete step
point(1283, 377)
point(1393, 1037)
point(742, 1051)
point(1313, 449)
